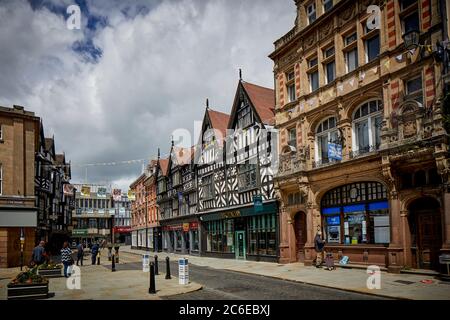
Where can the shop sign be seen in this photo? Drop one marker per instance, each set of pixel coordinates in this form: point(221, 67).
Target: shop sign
point(258, 203)
point(122, 229)
point(231, 214)
point(193, 225)
point(185, 227)
point(79, 232)
point(171, 228)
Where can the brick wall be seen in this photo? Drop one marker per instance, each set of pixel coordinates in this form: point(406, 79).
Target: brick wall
point(390, 15)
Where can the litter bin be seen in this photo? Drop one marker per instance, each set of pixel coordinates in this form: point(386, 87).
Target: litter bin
point(444, 260)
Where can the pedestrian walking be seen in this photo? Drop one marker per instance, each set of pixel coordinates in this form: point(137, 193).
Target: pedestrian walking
point(66, 258)
point(94, 251)
point(80, 253)
point(319, 243)
point(38, 255)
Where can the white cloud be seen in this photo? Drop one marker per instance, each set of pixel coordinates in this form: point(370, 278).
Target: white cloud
point(154, 75)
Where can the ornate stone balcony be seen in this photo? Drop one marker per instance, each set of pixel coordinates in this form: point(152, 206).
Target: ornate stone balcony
point(291, 163)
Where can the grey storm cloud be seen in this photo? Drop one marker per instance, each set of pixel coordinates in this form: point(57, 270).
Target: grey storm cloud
point(159, 61)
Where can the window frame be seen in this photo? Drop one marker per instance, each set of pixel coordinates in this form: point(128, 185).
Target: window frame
point(247, 170)
point(290, 86)
point(311, 15)
point(325, 2)
point(370, 117)
point(1, 179)
point(290, 130)
point(328, 133)
point(370, 37)
point(414, 95)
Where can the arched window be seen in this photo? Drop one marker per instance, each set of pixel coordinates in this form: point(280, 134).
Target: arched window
point(367, 121)
point(326, 132)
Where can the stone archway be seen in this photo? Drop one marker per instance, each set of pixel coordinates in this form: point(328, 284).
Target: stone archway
point(301, 238)
point(426, 232)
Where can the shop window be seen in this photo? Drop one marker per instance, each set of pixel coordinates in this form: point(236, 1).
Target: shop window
point(220, 236)
point(360, 211)
point(262, 234)
point(367, 122)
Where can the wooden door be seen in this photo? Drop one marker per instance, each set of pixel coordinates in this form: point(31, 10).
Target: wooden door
point(429, 239)
point(300, 235)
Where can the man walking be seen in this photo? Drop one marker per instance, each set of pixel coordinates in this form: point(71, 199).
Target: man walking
point(318, 246)
point(80, 253)
point(94, 251)
point(38, 254)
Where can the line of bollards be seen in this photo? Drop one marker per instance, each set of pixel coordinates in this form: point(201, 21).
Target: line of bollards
point(154, 271)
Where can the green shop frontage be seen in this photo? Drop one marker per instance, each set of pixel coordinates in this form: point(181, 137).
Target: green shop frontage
point(247, 233)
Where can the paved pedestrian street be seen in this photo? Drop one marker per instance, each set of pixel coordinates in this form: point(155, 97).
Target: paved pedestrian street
point(98, 282)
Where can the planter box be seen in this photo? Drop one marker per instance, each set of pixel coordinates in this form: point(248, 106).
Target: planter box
point(50, 273)
point(28, 291)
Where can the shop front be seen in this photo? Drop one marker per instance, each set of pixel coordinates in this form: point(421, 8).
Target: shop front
point(122, 234)
point(244, 233)
point(181, 237)
point(356, 222)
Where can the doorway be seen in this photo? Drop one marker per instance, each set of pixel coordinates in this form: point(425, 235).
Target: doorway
point(241, 249)
point(426, 232)
point(300, 235)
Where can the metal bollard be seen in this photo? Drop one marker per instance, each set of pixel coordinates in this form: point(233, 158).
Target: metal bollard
point(168, 268)
point(113, 266)
point(152, 289)
point(156, 265)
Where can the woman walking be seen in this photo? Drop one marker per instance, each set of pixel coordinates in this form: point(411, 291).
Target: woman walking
point(66, 258)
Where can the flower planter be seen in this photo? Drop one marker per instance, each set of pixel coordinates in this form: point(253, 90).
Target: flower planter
point(28, 291)
point(50, 273)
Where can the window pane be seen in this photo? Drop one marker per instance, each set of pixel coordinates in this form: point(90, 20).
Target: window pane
point(362, 135)
point(373, 47)
point(314, 80)
point(350, 39)
point(411, 22)
point(414, 85)
point(406, 3)
point(352, 60)
point(327, 5)
point(355, 228)
point(330, 72)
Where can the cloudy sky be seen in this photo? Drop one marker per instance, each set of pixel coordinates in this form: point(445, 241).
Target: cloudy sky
point(137, 70)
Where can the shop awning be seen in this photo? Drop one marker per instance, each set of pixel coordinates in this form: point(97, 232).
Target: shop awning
point(22, 217)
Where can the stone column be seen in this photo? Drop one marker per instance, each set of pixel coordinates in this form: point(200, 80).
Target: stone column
point(285, 252)
point(446, 222)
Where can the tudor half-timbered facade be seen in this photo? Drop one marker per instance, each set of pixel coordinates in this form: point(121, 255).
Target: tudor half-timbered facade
point(237, 204)
point(178, 203)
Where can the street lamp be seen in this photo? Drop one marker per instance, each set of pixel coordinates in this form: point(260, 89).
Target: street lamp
point(411, 39)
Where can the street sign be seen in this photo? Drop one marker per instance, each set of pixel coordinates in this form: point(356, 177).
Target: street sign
point(335, 151)
point(258, 203)
point(146, 263)
point(183, 271)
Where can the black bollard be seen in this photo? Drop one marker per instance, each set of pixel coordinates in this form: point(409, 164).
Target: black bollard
point(156, 265)
point(152, 288)
point(98, 258)
point(113, 266)
point(168, 268)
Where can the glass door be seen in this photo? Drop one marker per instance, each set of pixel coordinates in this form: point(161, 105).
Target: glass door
point(241, 249)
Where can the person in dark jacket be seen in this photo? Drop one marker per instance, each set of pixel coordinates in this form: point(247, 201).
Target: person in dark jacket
point(319, 243)
point(80, 253)
point(38, 255)
point(94, 251)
